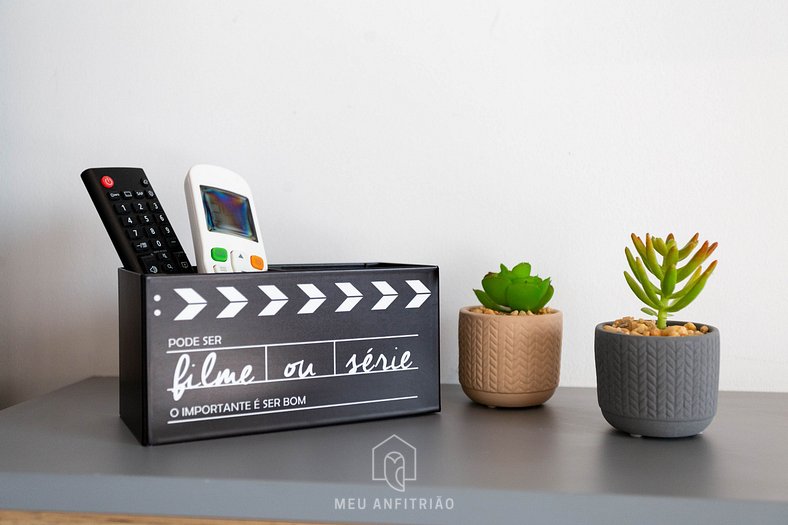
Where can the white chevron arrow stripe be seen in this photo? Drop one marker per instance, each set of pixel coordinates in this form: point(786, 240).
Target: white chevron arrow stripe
point(389, 295)
point(278, 299)
point(237, 302)
point(316, 298)
point(353, 297)
point(422, 293)
point(195, 304)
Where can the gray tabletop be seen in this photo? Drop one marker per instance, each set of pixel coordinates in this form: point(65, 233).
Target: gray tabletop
point(558, 463)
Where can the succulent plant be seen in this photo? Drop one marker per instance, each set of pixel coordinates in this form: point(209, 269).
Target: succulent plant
point(663, 299)
point(515, 289)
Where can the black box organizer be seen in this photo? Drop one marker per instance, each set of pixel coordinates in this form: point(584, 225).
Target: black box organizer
point(212, 355)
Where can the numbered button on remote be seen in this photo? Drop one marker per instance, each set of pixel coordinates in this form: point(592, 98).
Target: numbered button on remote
point(166, 230)
point(154, 206)
point(151, 231)
point(122, 208)
point(157, 244)
point(128, 220)
point(146, 218)
point(138, 207)
point(160, 218)
point(134, 233)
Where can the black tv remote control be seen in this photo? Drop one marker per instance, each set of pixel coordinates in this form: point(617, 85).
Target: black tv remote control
point(135, 221)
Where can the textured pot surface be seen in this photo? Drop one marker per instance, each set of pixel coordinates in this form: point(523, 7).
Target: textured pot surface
point(509, 361)
point(657, 386)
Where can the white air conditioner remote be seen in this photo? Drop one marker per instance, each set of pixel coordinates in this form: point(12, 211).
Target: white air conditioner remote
point(223, 220)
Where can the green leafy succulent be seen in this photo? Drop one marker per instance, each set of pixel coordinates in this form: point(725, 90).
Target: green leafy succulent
point(515, 289)
point(663, 299)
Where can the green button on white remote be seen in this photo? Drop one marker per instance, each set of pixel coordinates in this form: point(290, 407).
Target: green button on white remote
point(219, 254)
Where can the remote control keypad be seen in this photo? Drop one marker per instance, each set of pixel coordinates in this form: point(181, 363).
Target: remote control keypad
point(149, 230)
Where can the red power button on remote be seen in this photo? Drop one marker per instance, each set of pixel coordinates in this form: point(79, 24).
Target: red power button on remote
point(107, 181)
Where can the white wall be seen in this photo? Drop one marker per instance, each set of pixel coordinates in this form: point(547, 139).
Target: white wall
point(456, 133)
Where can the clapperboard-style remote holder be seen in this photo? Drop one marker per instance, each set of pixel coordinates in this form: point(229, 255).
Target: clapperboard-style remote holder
point(205, 356)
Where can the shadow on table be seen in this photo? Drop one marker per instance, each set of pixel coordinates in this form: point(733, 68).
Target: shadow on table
point(653, 466)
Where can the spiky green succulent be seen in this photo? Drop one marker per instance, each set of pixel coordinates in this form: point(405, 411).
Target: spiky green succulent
point(515, 289)
point(663, 299)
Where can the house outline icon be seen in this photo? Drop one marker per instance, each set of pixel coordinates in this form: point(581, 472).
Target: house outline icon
point(393, 446)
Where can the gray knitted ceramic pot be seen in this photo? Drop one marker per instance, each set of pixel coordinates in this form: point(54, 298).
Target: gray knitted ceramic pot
point(657, 386)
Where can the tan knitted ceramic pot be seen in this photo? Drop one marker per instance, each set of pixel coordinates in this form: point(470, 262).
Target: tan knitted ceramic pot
point(509, 360)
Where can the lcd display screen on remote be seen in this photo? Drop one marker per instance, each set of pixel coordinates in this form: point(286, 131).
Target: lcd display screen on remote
point(228, 212)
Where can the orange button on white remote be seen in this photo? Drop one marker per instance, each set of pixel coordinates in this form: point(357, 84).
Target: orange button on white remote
point(257, 262)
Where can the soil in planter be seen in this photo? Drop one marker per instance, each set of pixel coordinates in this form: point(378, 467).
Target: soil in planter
point(641, 327)
point(483, 310)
